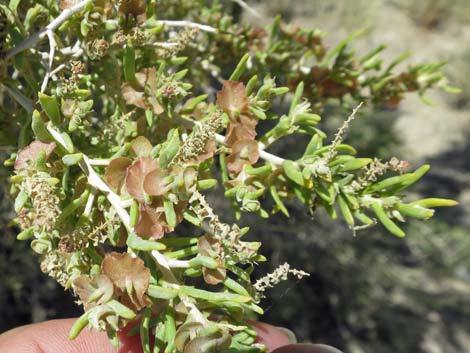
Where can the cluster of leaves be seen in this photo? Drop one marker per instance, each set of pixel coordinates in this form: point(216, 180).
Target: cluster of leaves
point(294, 55)
point(116, 148)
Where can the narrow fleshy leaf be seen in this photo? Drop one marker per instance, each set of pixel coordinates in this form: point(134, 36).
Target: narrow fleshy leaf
point(169, 149)
point(241, 67)
point(386, 221)
point(435, 202)
point(134, 213)
point(128, 63)
point(72, 159)
point(51, 107)
point(78, 326)
point(25, 234)
point(144, 330)
point(415, 211)
point(39, 127)
point(20, 201)
point(292, 172)
point(170, 329)
point(170, 214)
point(345, 210)
point(137, 243)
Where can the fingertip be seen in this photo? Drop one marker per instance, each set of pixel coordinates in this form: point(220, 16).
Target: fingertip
point(52, 337)
point(306, 348)
point(270, 336)
point(129, 343)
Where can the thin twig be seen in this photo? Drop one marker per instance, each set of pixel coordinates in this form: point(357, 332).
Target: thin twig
point(57, 69)
point(33, 39)
point(248, 8)
point(188, 24)
point(89, 203)
point(183, 23)
point(74, 51)
point(52, 46)
point(341, 132)
point(163, 266)
point(173, 263)
point(127, 203)
point(20, 98)
point(165, 45)
point(99, 162)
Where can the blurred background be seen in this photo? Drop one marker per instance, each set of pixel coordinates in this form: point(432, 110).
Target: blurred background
point(369, 293)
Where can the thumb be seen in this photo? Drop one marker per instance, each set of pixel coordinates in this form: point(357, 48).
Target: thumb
point(51, 337)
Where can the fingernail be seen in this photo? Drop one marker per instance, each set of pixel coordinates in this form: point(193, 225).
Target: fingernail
point(306, 348)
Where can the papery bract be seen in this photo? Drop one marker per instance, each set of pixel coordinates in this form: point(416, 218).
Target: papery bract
point(154, 183)
point(211, 247)
point(136, 95)
point(150, 224)
point(28, 154)
point(135, 177)
point(241, 128)
point(130, 276)
point(86, 287)
point(141, 147)
point(232, 98)
point(115, 174)
point(243, 152)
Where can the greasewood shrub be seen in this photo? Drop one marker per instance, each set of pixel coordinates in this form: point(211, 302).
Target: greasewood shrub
point(122, 118)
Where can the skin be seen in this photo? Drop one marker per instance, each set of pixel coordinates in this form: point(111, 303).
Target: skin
point(51, 337)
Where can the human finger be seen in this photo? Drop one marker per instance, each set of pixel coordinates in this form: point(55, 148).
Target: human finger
point(52, 337)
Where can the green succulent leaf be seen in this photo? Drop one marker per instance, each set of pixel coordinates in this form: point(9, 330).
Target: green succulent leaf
point(51, 107)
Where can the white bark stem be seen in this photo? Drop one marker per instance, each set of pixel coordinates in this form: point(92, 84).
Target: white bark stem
point(247, 8)
point(52, 46)
point(32, 40)
point(188, 24)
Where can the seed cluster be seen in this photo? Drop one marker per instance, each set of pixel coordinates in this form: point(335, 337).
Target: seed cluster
point(45, 209)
